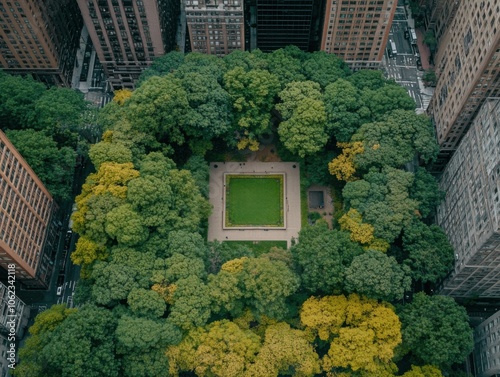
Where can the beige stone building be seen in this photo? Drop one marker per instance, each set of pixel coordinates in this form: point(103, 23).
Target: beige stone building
point(40, 38)
point(26, 224)
point(358, 31)
point(128, 35)
point(470, 213)
point(216, 27)
point(467, 65)
point(487, 347)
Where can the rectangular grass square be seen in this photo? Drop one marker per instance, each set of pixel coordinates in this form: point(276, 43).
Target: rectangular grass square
point(254, 200)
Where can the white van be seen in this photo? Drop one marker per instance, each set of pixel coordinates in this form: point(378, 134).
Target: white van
point(393, 48)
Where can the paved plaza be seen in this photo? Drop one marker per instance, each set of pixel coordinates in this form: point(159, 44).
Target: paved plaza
point(291, 172)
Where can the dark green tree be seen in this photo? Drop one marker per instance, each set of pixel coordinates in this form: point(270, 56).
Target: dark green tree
point(200, 171)
point(59, 113)
point(210, 112)
point(344, 109)
point(141, 343)
point(162, 65)
point(322, 256)
point(376, 275)
point(436, 330)
point(54, 166)
point(386, 99)
point(204, 64)
point(167, 199)
point(83, 345)
point(146, 303)
point(159, 107)
point(286, 64)
point(32, 363)
point(324, 68)
point(192, 303)
point(246, 60)
point(127, 270)
point(369, 79)
point(426, 191)
point(259, 284)
point(384, 201)
point(17, 100)
point(396, 141)
point(428, 252)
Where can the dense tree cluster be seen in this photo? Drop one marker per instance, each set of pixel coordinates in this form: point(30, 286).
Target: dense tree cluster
point(49, 127)
point(155, 299)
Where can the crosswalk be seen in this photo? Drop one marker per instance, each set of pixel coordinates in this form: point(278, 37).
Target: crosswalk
point(68, 293)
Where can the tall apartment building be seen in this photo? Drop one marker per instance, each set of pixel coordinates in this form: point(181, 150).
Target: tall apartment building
point(438, 14)
point(27, 235)
point(279, 23)
point(357, 31)
point(487, 347)
point(467, 67)
point(470, 213)
point(40, 38)
point(20, 316)
point(129, 34)
point(216, 27)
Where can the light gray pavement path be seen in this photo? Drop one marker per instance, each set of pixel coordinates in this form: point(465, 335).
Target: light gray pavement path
point(292, 202)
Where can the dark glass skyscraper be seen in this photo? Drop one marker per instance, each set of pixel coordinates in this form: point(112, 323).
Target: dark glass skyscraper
point(280, 23)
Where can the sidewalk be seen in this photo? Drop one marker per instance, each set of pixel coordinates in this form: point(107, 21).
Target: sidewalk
point(423, 49)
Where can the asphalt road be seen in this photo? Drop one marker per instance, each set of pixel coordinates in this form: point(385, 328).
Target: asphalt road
point(40, 300)
point(402, 66)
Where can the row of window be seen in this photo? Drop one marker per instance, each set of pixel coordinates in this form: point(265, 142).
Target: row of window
point(20, 243)
point(22, 181)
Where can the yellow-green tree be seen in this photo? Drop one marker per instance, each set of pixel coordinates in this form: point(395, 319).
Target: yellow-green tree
point(121, 96)
point(221, 349)
point(343, 166)
point(111, 178)
point(352, 222)
point(362, 332)
point(285, 351)
point(87, 251)
point(101, 193)
point(260, 284)
point(45, 323)
point(424, 371)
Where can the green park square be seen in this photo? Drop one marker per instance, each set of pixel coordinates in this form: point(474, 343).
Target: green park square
point(254, 200)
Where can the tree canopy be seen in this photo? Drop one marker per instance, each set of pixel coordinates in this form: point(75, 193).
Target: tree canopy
point(54, 166)
point(362, 332)
point(304, 119)
point(436, 330)
point(376, 275)
point(322, 256)
point(384, 201)
point(156, 298)
point(428, 252)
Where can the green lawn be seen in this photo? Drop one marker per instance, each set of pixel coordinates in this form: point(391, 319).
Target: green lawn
point(254, 200)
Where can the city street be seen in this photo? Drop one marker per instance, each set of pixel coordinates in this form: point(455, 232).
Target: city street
point(66, 274)
point(402, 65)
